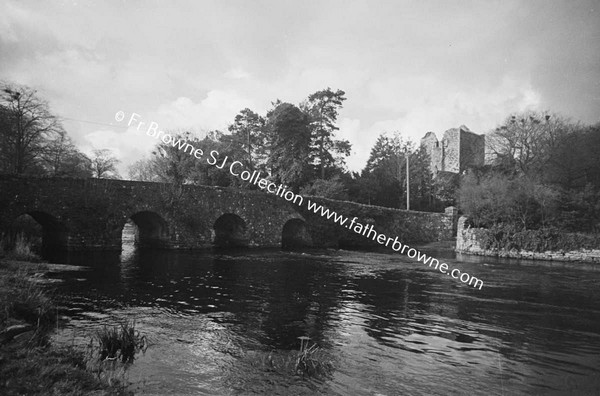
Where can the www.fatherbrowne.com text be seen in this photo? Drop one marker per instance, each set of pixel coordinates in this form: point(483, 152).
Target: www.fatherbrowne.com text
point(236, 168)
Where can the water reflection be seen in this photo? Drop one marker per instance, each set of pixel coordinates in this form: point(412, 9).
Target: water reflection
point(393, 326)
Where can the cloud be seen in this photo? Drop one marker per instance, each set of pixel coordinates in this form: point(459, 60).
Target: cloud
point(237, 74)
point(411, 67)
point(216, 111)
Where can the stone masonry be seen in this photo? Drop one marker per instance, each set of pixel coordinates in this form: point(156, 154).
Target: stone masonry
point(458, 150)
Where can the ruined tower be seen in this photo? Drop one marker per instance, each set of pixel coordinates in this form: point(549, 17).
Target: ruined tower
point(458, 150)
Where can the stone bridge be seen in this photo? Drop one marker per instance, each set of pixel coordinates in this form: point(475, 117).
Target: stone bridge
point(87, 214)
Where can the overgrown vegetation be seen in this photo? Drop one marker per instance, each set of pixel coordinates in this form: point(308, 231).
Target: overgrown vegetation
point(51, 371)
point(504, 237)
point(543, 190)
point(22, 300)
point(30, 365)
point(20, 247)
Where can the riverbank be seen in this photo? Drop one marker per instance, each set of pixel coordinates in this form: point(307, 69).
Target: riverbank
point(530, 245)
point(29, 364)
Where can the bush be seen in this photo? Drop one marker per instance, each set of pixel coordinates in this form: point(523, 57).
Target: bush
point(506, 237)
point(497, 199)
point(333, 188)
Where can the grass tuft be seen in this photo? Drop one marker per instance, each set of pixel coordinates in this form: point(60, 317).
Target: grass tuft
point(21, 248)
point(119, 342)
point(311, 361)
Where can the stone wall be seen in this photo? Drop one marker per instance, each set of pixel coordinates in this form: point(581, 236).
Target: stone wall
point(469, 241)
point(472, 150)
point(458, 150)
point(432, 146)
point(451, 150)
point(86, 214)
point(408, 225)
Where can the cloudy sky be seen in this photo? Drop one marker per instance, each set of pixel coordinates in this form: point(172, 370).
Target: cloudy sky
point(408, 66)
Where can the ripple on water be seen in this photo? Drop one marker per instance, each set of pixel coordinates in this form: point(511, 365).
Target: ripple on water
point(392, 326)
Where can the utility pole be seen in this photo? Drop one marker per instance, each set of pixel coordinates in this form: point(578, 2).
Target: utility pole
point(407, 182)
point(249, 154)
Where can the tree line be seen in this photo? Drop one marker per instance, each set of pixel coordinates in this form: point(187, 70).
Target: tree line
point(33, 141)
point(296, 145)
point(543, 170)
point(543, 178)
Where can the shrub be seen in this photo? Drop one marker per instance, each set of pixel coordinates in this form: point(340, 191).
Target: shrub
point(497, 199)
point(507, 237)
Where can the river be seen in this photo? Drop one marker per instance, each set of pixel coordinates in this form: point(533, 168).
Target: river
point(390, 325)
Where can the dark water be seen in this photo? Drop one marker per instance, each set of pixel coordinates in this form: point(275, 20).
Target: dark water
point(390, 325)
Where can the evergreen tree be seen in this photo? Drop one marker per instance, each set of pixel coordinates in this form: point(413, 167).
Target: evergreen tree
point(325, 152)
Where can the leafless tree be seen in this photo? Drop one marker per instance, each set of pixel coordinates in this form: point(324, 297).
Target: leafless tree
point(26, 128)
point(525, 142)
point(104, 165)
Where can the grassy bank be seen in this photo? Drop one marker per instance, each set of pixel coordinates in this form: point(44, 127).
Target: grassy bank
point(29, 364)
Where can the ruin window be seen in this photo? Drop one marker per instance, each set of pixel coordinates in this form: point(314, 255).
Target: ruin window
point(437, 144)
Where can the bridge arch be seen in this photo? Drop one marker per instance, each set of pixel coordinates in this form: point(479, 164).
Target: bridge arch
point(46, 232)
point(150, 230)
point(295, 234)
point(230, 230)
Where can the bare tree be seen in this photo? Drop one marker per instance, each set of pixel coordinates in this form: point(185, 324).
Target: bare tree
point(524, 142)
point(26, 128)
point(62, 158)
point(104, 165)
point(143, 170)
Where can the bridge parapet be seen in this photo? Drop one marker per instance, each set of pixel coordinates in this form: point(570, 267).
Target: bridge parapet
point(88, 214)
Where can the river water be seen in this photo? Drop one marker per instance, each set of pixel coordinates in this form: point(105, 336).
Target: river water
point(389, 325)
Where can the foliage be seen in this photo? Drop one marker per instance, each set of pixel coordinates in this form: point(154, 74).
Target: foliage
point(104, 165)
point(32, 139)
point(445, 189)
point(547, 148)
point(57, 372)
point(508, 237)
point(290, 136)
point(248, 132)
point(22, 299)
point(18, 247)
point(322, 107)
point(383, 180)
point(333, 188)
point(143, 170)
point(490, 199)
point(495, 198)
point(63, 159)
point(579, 210)
point(575, 163)
point(524, 141)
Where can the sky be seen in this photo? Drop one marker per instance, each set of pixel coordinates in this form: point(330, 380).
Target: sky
point(406, 66)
